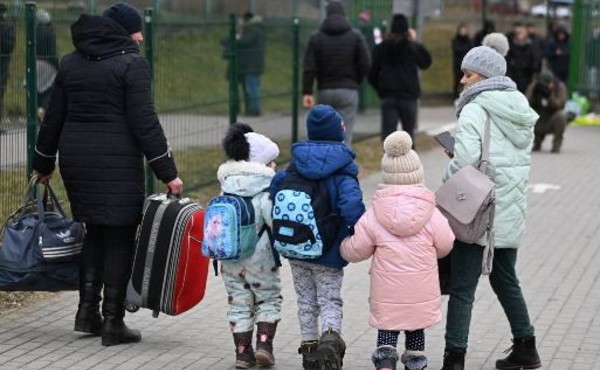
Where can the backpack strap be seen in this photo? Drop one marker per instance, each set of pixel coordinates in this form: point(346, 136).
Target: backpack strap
point(267, 229)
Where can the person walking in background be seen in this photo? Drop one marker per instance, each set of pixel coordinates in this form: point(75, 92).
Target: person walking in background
point(102, 121)
point(337, 57)
point(521, 62)
point(253, 284)
point(47, 54)
point(366, 28)
point(538, 46)
point(395, 76)
point(488, 93)
point(251, 61)
point(488, 27)
point(405, 234)
point(326, 163)
point(461, 44)
point(548, 96)
point(7, 45)
point(557, 53)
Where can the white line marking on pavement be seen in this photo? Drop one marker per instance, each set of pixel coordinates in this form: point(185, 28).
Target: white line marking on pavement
point(542, 188)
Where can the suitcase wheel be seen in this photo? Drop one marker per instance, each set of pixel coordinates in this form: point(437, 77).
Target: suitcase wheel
point(131, 307)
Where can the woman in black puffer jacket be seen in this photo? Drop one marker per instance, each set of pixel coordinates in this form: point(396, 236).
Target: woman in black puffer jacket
point(102, 121)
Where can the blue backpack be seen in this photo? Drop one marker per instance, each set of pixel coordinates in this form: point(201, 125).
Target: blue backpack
point(305, 223)
point(229, 228)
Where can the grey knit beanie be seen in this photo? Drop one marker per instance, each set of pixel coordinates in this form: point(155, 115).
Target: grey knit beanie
point(488, 59)
point(400, 164)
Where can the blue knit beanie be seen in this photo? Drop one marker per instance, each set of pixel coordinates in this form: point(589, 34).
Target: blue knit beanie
point(324, 123)
point(125, 15)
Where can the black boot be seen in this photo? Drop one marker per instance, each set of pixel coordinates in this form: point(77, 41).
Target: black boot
point(454, 359)
point(265, 332)
point(523, 355)
point(331, 350)
point(114, 330)
point(244, 354)
point(88, 319)
point(385, 357)
point(308, 350)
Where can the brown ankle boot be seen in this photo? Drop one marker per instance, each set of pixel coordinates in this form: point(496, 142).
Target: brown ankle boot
point(265, 332)
point(244, 354)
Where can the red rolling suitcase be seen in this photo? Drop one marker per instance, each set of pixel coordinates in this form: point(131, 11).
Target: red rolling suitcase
point(169, 272)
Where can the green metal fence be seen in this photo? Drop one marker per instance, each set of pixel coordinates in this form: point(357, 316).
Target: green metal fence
point(195, 91)
point(584, 66)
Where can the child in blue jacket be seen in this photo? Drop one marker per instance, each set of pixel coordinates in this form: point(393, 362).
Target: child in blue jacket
point(318, 282)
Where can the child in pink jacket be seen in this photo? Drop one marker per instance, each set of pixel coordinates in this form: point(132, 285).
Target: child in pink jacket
point(406, 234)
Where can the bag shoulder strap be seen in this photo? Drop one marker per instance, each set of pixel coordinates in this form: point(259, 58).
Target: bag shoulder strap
point(485, 145)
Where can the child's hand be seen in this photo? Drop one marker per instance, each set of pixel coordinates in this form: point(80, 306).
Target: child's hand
point(308, 101)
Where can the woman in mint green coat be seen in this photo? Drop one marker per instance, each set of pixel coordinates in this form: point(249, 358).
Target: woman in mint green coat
point(487, 91)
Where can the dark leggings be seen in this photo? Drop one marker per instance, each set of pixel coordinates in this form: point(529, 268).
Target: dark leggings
point(415, 340)
point(110, 249)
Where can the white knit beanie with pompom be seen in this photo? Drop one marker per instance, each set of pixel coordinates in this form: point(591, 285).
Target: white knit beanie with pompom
point(400, 164)
point(488, 60)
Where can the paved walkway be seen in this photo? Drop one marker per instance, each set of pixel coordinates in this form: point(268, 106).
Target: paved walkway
point(558, 267)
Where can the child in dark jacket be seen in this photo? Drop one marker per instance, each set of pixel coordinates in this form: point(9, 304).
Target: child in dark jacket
point(318, 282)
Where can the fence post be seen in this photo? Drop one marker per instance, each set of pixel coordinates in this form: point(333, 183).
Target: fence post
point(234, 103)
point(92, 6)
point(483, 11)
point(576, 40)
point(295, 77)
point(31, 81)
point(149, 51)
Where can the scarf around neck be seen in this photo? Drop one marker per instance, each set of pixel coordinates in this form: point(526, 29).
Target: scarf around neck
point(489, 84)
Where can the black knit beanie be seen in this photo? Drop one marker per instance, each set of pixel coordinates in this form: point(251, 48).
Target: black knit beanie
point(126, 15)
point(399, 24)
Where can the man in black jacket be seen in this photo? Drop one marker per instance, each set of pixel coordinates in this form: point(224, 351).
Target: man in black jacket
point(337, 57)
point(395, 76)
point(520, 60)
point(7, 44)
point(102, 120)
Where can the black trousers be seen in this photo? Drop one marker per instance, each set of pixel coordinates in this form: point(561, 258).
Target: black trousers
point(109, 251)
point(394, 109)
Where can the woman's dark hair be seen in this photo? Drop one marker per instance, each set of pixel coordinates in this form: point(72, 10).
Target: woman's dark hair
point(235, 144)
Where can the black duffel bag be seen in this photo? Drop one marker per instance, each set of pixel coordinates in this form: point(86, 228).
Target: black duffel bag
point(40, 247)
